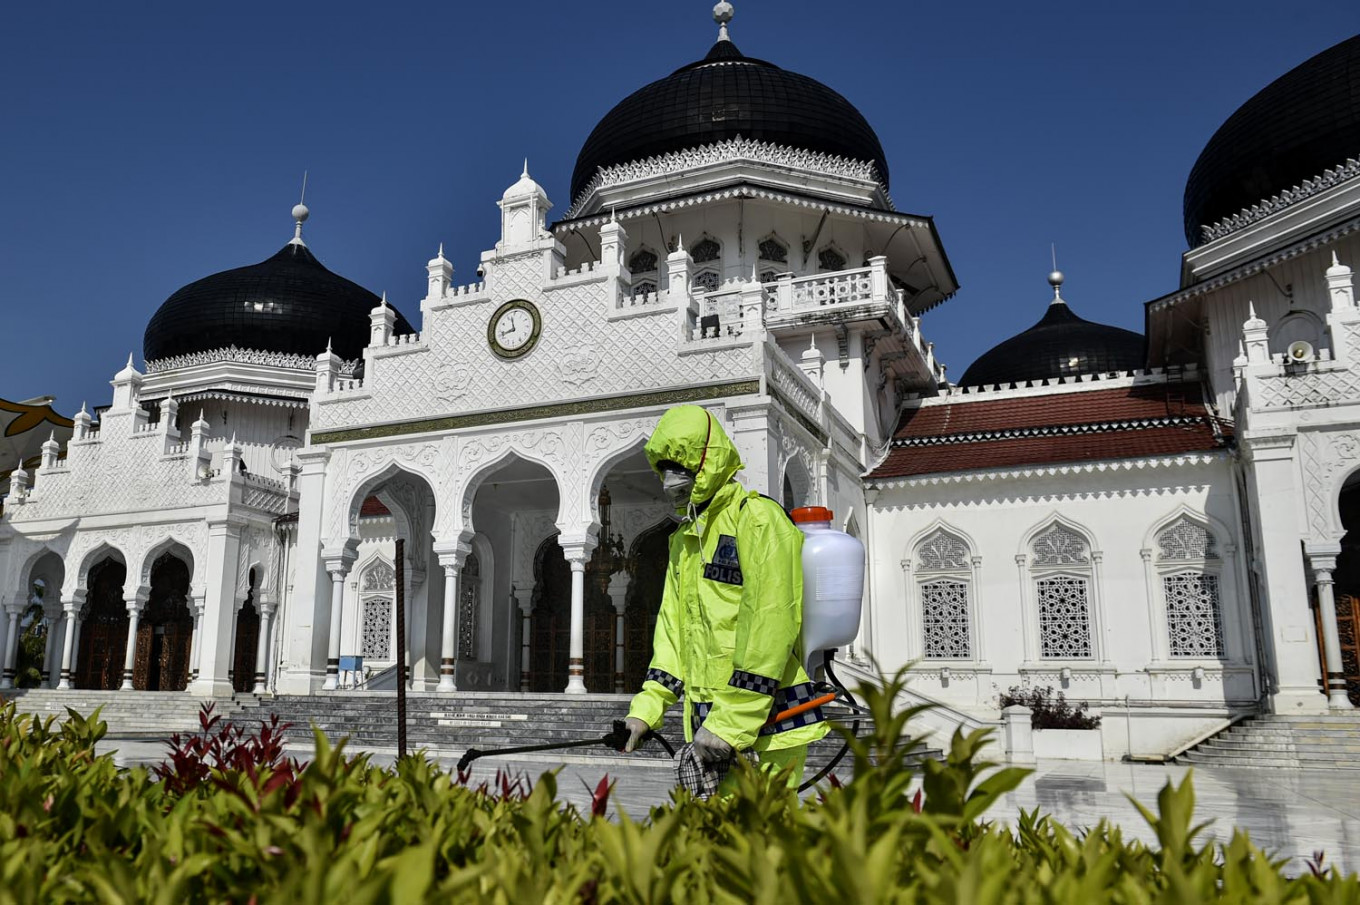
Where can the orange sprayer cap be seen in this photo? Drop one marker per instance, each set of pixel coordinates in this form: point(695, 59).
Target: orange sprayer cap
point(810, 514)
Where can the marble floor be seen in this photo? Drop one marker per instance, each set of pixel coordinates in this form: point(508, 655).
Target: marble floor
point(1289, 813)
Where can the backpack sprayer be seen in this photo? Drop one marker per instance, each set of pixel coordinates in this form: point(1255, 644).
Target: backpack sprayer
point(833, 591)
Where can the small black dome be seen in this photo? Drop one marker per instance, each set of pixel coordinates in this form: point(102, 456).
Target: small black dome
point(288, 303)
point(1060, 345)
point(1304, 122)
point(723, 96)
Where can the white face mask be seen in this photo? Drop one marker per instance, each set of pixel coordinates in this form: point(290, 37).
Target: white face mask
point(677, 486)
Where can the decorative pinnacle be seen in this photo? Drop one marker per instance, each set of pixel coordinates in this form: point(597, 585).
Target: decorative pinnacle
point(384, 298)
point(1055, 279)
point(1335, 261)
point(525, 174)
point(722, 14)
point(300, 214)
point(328, 344)
point(82, 409)
point(441, 249)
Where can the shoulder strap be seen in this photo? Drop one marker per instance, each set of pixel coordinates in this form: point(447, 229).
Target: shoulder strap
point(745, 500)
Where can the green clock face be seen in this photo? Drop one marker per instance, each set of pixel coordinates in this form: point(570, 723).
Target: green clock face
point(513, 329)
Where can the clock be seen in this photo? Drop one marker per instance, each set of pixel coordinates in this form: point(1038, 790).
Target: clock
point(514, 328)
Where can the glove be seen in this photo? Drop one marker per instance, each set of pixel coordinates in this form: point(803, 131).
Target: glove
point(637, 731)
point(710, 748)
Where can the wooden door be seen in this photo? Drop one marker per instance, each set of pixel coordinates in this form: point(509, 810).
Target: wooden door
point(104, 630)
point(247, 644)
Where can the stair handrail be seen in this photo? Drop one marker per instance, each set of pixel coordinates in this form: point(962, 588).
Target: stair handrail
point(1214, 729)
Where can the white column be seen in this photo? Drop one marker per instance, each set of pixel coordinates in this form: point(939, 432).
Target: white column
point(262, 648)
point(68, 609)
point(448, 640)
point(11, 648)
point(523, 598)
point(618, 594)
point(134, 610)
point(576, 651)
point(219, 608)
point(1323, 566)
point(196, 639)
point(52, 650)
point(74, 629)
point(337, 570)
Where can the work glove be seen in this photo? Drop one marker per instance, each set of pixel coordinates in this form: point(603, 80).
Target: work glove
point(710, 748)
point(637, 731)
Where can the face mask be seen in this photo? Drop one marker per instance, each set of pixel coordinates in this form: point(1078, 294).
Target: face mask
point(677, 486)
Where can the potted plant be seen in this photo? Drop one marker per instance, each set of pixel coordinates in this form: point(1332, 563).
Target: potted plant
point(1062, 730)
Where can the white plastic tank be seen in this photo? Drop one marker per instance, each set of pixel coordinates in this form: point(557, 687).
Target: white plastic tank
point(833, 584)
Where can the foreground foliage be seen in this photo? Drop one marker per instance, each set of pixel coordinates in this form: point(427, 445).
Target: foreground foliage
point(228, 817)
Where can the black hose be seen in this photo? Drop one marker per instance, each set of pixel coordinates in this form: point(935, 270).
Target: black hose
point(854, 726)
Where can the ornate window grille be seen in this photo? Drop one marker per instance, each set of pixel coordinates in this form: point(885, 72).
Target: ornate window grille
point(944, 562)
point(643, 266)
point(469, 602)
point(1194, 614)
point(944, 619)
point(376, 598)
point(1194, 604)
point(1064, 617)
point(771, 249)
point(830, 258)
point(1061, 560)
point(705, 250)
point(377, 637)
point(708, 280)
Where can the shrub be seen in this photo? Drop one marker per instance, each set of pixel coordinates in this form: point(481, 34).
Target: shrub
point(1050, 711)
point(76, 828)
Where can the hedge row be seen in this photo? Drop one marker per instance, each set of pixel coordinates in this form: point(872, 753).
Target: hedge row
point(228, 818)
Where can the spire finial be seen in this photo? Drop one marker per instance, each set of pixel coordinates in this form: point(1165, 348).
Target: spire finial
point(1055, 279)
point(525, 174)
point(300, 214)
point(1336, 262)
point(1251, 310)
point(441, 249)
point(129, 364)
point(722, 14)
point(82, 408)
point(328, 344)
point(384, 298)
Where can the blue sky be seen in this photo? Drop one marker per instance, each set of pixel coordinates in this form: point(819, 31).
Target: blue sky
point(147, 145)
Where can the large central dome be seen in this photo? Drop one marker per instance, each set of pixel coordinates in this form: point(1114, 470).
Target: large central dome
point(723, 96)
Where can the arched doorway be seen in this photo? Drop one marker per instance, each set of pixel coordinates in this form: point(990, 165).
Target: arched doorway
point(550, 624)
point(102, 643)
point(166, 629)
point(649, 555)
point(247, 642)
point(1347, 587)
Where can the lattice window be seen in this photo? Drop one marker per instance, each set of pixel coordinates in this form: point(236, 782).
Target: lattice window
point(643, 261)
point(942, 552)
point(646, 287)
point(944, 619)
point(830, 259)
point(772, 249)
point(379, 577)
point(1059, 546)
point(377, 637)
point(469, 602)
point(1194, 614)
point(1064, 617)
point(708, 280)
point(1186, 541)
point(768, 276)
point(705, 250)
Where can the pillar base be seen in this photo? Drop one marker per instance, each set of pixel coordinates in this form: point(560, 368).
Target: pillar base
point(6, 682)
point(1298, 700)
point(64, 685)
point(127, 685)
point(576, 679)
point(331, 683)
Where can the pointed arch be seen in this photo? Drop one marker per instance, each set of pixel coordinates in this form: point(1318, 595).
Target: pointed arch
point(942, 594)
point(487, 467)
point(170, 542)
point(365, 487)
point(1062, 590)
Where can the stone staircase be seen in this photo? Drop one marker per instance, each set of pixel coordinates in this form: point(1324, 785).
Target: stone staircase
point(1328, 741)
point(487, 720)
point(129, 714)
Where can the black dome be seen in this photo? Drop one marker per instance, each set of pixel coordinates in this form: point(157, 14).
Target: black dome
point(722, 96)
point(1060, 345)
point(288, 303)
point(1304, 122)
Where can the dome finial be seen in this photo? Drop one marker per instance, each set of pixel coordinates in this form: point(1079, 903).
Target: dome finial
point(1055, 277)
point(300, 214)
point(525, 174)
point(722, 14)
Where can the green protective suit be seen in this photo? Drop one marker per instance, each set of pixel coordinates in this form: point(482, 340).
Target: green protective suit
point(727, 635)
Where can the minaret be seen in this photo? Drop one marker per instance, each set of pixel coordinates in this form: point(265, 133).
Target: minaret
point(524, 208)
point(441, 275)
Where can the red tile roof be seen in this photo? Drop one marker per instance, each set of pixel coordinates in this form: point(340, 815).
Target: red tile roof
point(1081, 426)
point(373, 507)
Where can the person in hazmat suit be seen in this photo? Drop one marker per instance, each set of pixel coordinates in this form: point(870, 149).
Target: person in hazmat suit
point(727, 634)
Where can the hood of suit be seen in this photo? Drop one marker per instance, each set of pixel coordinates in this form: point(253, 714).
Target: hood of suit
point(689, 436)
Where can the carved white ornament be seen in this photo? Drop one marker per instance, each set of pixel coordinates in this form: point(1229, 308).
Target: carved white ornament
point(1186, 540)
point(1306, 189)
point(452, 383)
point(578, 365)
point(942, 552)
point(1059, 547)
point(233, 353)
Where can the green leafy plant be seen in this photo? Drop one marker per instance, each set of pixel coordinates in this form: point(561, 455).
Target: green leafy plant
point(1049, 709)
point(228, 818)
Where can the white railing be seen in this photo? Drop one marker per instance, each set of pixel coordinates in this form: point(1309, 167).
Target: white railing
point(403, 339)
point(797, 387)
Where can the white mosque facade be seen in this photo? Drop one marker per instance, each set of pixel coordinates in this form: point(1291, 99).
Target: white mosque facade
point(1156, 525)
